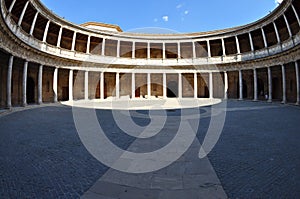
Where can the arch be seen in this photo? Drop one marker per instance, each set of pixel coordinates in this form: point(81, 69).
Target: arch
point(30, 90)
point(172, 90)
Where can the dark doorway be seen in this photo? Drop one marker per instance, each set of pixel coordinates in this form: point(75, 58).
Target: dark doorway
point(172, 91)
point(260, 88)
point(276, 88)
point(65, 94)
point(30, 90)
point(138, 92)
point(97, 92)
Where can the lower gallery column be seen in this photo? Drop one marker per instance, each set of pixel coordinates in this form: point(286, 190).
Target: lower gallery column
point(71, 85)
point(241, 84)
point(117, 85)
point(55, 81)
point(195, 85)
point(179, 85)
point(298, 82)
point(283, 84)
point(164, 85)
point(86, 85)
point(102, 85)
point(225, 85)
point(8, 85)
point(270, 84)
point(132, 85)
point(211, 86)
point(149, 85)
point(24, 82)
point(255, 84)
point(40, 85)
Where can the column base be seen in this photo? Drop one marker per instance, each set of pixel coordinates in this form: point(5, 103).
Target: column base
point(255, 100)
point(24, 104)
point(283, 102)
point(297, 103)
point(240, 99)
point(270, 101)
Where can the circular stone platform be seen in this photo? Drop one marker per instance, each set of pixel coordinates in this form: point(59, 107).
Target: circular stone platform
point(143, 104)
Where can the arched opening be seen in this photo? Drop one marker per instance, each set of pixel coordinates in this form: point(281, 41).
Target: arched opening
point(30, 90)
point(172, 91)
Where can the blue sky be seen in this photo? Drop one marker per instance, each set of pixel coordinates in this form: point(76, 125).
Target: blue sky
point(178, 15)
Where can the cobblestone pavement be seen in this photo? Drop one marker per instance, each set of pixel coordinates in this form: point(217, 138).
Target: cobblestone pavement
point(257, 156)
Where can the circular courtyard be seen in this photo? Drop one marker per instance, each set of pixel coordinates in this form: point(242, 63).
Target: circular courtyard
point(256, 155)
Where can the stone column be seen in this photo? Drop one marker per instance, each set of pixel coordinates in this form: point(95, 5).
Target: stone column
point(277, 33)
point(270, 94)
point(149, 85)
point(46, 31)
point(283, 84)
point(255, 84)
point(23, 13)
point(118, 48)
point(241, 84)
point(223, 47)
point(287, 25)
point(9, 79)
point(71, 85)
point(296, 14)
point(251, 41)
point(103, 47)
point(195, 85)
point(264, 38)
point(55, 83)
point(33, 23)
point(208, 49)
point(211, 86)
point(297, 82)
point(40, 85)
point(148, 51)
point(179, 50)
point(118, 85)
point(11, 6)
point(133, 50)
point(133, 86)
point(102, 85)
point(194, 50)
point(164, 85)
point(88, 45)
point(59, 37)
point(73, 42)
point(86, 85)
point(179, 85)
point(237, 45)
point(24, 83)
point(164, 50)
point(225, 85)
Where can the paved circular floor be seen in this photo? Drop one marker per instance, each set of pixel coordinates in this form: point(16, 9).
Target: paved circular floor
point(257, 156)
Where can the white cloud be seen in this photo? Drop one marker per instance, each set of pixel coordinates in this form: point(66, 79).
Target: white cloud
point(165, 18)
point(179, 6)
point(278, 1)
point(186, 12)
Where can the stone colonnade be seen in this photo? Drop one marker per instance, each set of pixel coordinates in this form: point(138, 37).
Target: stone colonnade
point(113, 80)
